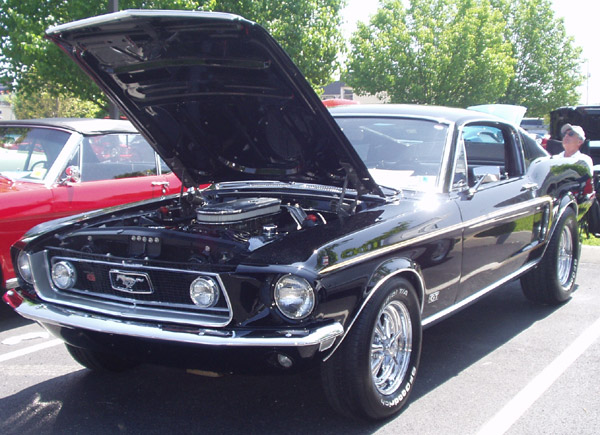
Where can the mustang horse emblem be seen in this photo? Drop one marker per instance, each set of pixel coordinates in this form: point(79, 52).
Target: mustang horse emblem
point(128, 281)
point(131, 282)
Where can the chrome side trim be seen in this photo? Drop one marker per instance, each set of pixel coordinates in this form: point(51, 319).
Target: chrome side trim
point(504, 213)
point(469, 300)
point(68, 318)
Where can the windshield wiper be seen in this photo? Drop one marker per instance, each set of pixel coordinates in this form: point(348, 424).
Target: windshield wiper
point(393, 189)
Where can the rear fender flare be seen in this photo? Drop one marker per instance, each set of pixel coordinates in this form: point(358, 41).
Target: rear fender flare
point(567, 201)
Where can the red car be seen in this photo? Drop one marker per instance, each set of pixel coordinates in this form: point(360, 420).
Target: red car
point(51, 168)
point(334, 102)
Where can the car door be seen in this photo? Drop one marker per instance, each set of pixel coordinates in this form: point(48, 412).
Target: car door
point(500, 210)
point(113, 172)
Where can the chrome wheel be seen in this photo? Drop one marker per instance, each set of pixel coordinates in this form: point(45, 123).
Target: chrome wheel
point(565, 256)
point(391, 347)
point(553, 280)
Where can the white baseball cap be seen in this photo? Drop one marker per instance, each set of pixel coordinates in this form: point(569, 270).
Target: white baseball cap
point(577, 129)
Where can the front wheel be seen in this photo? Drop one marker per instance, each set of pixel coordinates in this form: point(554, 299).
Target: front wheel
point(552, 282)
point(372, 373)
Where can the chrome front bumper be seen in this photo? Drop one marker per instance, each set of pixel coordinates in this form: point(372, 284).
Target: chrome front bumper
point(323, 337)
point(11, 284)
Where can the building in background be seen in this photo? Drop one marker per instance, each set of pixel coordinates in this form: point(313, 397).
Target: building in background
point(339, 90)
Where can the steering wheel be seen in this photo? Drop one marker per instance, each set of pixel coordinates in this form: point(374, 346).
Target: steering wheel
point(41, 162)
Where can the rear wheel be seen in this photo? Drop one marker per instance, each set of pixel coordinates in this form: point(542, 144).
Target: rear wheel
point(99, 361)
point(372, 373)
point(553, 280)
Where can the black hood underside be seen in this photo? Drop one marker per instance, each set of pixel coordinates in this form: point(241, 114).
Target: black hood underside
point(216, 96)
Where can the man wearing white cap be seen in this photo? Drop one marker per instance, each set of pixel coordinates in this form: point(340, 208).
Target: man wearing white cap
point(573, 138)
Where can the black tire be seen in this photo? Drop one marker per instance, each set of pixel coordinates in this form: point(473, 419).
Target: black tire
point(350, 386)
point(553, 280)
point(99, 361)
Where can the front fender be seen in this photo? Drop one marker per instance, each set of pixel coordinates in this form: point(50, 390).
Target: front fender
point(394, 267)
point(400, 266)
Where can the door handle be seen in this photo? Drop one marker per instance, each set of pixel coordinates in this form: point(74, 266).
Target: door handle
point(162, 184)
point(529, 187)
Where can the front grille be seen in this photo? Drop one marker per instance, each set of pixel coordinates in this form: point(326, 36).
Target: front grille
point(160, 293)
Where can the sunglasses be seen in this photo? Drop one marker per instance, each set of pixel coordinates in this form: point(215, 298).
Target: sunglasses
point(570, 133)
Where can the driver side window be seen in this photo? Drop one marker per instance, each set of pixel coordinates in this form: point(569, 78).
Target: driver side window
point(490, 152)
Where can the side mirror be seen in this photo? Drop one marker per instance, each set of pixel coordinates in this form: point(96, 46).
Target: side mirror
point(72, 175)
point(482, 179)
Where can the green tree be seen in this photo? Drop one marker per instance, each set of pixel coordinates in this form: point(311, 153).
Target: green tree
point(467, 52)
point(433, 51)
point(308, 29)
point(547, 69)
point(43, 104)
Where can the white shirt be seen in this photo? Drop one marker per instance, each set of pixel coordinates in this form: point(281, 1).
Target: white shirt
point(580, 156)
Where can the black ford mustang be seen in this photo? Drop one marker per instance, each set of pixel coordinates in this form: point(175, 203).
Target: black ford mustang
point(323, 240)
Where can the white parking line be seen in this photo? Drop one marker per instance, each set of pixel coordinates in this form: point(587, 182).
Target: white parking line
point(30, 349)
point(514, 409)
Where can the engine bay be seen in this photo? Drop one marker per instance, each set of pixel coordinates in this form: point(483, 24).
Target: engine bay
point(200, 229)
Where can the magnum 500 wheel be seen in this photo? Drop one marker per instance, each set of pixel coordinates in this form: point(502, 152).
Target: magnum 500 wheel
point(372, 373)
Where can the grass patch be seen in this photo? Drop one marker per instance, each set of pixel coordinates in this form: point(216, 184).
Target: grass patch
point(589, 240)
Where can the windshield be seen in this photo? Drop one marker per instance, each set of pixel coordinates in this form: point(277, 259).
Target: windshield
point(29, 152)
point(401, 153)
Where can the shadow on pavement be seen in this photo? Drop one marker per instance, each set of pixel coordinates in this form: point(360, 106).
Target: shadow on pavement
point(461, 340)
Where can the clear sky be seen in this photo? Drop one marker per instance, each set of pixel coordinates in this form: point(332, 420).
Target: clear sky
point(582, 20)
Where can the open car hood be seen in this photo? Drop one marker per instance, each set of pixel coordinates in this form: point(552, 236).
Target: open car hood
point(508, 112)
point(216, 96)
point(587, 117)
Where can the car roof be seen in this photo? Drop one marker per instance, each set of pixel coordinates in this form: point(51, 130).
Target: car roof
point(441, 113)
point(85, 126)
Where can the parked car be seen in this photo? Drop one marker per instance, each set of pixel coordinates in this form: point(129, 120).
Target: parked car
point(334, 102)
point(329, 239)
point(50, 168)
point(535, 127)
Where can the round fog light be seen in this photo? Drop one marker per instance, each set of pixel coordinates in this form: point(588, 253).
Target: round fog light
point(63, 275)
point(204, 292)
point(24, 267)
point(294, 297)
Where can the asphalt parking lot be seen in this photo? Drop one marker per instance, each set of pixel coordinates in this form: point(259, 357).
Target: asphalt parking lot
point(502, 365)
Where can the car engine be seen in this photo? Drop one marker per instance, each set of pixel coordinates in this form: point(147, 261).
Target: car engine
point(195, 230)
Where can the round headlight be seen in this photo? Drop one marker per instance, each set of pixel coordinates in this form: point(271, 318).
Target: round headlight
point(204, 292)
point(294, 297)
point(24, 267)
point(63, 275)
